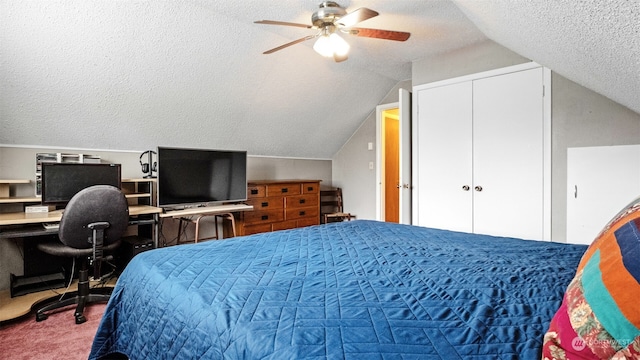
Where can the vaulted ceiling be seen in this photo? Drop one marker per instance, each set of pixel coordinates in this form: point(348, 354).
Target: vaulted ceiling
point(132, 75)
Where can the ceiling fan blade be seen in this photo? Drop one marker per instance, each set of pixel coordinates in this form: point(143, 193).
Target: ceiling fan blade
point(273, 22)
point(356, 16)
point(380, 34)
point(309, 37)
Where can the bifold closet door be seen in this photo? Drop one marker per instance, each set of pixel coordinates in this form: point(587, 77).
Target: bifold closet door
point(508, 157)
point(444, 150)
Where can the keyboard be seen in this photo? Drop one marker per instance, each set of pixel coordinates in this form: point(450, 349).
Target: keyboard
point(51, 226)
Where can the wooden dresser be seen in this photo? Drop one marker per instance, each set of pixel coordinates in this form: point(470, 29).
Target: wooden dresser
point(279, 205)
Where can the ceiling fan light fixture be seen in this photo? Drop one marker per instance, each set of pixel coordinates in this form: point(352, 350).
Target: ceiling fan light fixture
point(329, 45)
point(323, 46)
point(331, 18)
point(340, 46)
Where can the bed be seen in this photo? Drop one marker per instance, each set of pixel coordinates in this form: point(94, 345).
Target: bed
point(358, 289)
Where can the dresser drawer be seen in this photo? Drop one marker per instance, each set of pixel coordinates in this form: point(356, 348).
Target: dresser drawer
point(279, 205)
point(284, 225)
point(301, 201)
point(298, 213)
point(262, 216)
point(256, 191)
point(308, 221)
point(310, 188)
point(255, 229)
point(283, 189)
point(266, 203)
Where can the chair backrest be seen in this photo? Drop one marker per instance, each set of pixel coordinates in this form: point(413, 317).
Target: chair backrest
point(331, 200)
point(99, 203)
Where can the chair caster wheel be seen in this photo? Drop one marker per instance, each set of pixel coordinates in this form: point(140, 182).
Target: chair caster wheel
point(80, 319)
point(41, 317)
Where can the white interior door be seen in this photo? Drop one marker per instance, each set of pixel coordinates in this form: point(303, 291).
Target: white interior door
point(600, 182)
point(405, 156)
point(444, 149)
point(508, 155)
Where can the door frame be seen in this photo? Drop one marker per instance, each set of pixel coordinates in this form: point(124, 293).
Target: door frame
point(379, 163)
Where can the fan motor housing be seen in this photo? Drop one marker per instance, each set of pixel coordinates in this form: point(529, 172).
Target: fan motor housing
point(328, 13)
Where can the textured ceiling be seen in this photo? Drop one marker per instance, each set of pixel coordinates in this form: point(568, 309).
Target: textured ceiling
point(133, 75)
point(595, 43)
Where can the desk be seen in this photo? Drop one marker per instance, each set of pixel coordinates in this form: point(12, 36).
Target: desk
point(204, 211)
point(23, 218)
point(29, 225)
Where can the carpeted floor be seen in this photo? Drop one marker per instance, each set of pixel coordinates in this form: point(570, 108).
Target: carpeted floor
point(58, 337)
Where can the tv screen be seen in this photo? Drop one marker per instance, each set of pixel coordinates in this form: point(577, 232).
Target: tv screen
point(60, 181)
point(194, 177)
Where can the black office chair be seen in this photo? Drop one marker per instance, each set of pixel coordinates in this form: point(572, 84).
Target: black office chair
point(92, 223)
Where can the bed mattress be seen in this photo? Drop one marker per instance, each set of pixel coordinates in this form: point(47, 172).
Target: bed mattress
point(359, 289)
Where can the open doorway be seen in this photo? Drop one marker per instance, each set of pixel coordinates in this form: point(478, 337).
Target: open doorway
point(390, 167)
point(393, 157)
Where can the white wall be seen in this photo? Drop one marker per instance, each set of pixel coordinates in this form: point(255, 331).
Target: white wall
point(580, 117)
point(470, 60)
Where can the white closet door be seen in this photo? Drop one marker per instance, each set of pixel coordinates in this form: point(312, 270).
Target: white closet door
point(444, 150)
point(601, 180)
point(508, 155)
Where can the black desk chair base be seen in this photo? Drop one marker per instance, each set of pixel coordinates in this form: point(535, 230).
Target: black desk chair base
point(84, 295)
point(97, 295)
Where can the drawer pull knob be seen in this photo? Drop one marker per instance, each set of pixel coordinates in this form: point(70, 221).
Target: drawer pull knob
point(265, 204)
point(302, 213)
point(265, 217)
point(254, 191)
point(310, 188)
point(302, 201)
point(284, 190)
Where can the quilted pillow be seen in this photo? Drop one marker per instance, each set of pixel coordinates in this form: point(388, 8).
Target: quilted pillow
point(600, 313)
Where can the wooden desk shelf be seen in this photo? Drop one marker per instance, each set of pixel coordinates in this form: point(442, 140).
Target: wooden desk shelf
point(139, 190)
point(5, 192)
point(19, 200)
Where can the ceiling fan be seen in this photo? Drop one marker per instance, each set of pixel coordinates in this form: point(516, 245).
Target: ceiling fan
point(329, 20)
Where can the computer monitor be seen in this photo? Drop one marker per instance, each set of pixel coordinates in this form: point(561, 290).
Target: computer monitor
point(60, 181)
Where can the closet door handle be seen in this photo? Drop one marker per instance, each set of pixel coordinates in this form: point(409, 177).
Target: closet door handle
point(465, 187)
point(478, 188)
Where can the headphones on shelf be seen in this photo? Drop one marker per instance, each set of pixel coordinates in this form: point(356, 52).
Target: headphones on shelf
point(147, 168)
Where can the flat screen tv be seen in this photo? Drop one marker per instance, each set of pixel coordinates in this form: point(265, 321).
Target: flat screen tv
point(200, 177)
point(60, 181)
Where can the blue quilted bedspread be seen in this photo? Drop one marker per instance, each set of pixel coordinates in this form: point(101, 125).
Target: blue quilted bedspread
point(359, 289)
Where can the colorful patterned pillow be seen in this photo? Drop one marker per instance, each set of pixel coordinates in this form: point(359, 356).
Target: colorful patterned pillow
point(600, 314)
